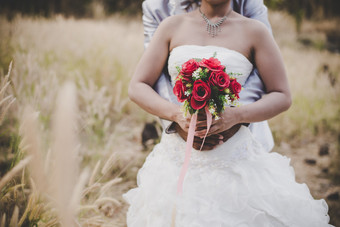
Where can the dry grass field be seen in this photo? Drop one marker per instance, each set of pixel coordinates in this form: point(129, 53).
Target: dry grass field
point(70, 140)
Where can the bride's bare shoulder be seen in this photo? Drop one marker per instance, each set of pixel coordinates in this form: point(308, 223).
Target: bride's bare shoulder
point(165, 27)
point(173, 22)
point(252, 25)
point(252, 28)
point(168, 27)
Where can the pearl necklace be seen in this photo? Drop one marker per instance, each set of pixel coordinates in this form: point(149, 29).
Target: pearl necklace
point(214, 28)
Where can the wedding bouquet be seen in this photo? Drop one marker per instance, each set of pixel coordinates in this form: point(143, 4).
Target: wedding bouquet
point(204, 83)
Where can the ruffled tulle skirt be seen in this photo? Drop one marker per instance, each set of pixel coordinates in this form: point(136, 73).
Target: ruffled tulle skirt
point(237, 184)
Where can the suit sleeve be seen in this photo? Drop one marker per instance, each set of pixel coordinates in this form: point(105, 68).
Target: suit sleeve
point(150, 22)
point(257, 10)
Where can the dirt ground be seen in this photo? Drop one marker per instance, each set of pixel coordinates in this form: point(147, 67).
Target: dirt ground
point(311, 160)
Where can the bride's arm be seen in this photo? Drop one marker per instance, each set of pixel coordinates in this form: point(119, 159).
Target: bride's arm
point(270, 65)
point(147, 72)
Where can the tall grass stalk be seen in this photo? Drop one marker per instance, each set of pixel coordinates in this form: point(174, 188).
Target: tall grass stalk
point(58, 184)
point(15, 217)
point(13, 172)
point(5, 100)
point(65, 165)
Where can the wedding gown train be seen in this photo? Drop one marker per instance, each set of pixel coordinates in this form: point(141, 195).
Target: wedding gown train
point(237, 184)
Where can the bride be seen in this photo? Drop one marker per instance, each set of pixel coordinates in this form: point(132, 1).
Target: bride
point(237, 183)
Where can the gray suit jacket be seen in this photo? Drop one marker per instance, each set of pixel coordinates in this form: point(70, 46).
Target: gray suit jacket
point(154, 11)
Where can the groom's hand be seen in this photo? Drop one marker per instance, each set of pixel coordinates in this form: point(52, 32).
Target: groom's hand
point(211, 141)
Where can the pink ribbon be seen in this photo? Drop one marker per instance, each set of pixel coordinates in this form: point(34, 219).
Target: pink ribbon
point(209, 121)
point(188, 149)
point(190, 142)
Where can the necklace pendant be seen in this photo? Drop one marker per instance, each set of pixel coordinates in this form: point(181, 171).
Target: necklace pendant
point(214, 28)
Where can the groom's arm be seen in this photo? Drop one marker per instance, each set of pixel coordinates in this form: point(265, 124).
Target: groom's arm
point(154, 12)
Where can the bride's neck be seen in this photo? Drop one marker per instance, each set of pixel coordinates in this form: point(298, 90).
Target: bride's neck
point(212, 10)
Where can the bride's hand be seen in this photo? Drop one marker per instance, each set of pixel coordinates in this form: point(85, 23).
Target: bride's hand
point(227, 119)
point(183, 122)
point(210, 142)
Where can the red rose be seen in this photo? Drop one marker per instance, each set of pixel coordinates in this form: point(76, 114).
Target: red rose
point(212, 63)
point(219, 79)
point(186, 78)
point(179, 90)
point(235, 86)
point(197, 105)
point(189, 67)
point(200, 94)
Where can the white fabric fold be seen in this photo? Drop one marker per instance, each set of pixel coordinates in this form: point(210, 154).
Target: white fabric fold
point(237, 184)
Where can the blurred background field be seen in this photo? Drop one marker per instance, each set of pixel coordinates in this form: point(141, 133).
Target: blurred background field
point(78, 56)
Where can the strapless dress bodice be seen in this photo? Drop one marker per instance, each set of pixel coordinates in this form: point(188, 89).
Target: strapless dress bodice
point(234, 61)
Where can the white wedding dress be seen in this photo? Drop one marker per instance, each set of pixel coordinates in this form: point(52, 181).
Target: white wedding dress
point(238, 184)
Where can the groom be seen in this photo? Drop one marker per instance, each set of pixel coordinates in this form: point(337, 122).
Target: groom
point(154, 11)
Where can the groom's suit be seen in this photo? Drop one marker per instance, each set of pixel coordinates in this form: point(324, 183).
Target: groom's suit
point(154, 11)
